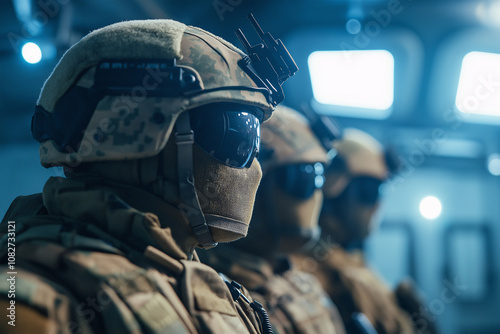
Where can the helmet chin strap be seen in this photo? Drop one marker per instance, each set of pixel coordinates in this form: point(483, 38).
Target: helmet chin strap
point(190, 206)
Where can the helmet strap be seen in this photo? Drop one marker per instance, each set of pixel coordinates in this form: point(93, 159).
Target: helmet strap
point(190, 205)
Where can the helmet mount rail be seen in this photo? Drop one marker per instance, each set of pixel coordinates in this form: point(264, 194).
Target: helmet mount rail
point(325, 127)
point(73, 111)
point(269, 62)
point(159, 77)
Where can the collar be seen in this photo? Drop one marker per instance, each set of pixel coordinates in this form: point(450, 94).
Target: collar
point(250, 270)
point(97, 201)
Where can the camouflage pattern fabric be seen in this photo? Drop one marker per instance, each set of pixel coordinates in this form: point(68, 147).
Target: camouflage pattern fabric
point(89, 262)
point(353, 287)
point(287, 139)
point(362, 154)
point(295, 300)
point(139, 124)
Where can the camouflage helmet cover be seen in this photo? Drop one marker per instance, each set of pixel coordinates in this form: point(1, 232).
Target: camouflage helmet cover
point(137, 125)
point(286, 139)
point(362, 154)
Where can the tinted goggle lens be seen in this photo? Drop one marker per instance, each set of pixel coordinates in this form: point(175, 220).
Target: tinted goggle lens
point(230, 134)
point(364, 190)
point(301, 180)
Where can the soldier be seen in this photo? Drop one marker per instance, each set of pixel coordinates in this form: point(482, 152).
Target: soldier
point(351, 201)
point(157, 126)
point(285, 218)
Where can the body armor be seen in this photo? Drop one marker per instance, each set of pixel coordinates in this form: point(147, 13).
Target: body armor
point(295, 300)
point(117, 271)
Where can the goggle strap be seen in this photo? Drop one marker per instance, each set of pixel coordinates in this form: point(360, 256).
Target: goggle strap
point(190, 206)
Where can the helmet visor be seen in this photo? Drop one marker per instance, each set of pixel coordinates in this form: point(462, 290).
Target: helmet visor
point(230, 133)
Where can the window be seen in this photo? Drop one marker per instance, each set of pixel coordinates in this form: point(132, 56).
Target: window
point(357, 79)
point(479, 84)
point(468, 259)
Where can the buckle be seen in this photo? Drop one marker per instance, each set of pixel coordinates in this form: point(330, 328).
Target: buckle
point(204, 236)
point(184, 138)
point(201, 229)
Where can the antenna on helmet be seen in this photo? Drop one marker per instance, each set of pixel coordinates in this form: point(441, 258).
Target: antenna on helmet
point(270, 61)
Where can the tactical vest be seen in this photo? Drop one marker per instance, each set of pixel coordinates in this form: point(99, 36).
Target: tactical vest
point(295, 301)
point(356, 290)
point(83, 280)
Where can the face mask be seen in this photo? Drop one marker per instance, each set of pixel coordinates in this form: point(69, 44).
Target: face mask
point(226, 195)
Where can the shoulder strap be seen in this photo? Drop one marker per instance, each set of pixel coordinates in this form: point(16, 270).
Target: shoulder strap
point(25, 206)
point(65, 232)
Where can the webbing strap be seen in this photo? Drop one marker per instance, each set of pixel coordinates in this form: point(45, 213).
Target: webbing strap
point(190, 206)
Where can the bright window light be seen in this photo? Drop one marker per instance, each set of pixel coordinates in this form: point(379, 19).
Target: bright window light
point(360, 79)
point(31, 53)
point(430, 207)
point(479, 84)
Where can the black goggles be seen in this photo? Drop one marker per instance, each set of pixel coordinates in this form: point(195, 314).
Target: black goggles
point(301, 180)
point(363, 189)
point(228, 132)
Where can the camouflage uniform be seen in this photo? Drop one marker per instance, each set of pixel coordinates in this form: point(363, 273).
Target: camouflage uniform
point(110, 248)
point(295, 300)
point(355, 288)
point(347, 221)
point(75, 277)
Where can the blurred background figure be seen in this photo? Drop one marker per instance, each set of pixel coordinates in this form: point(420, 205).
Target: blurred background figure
point(349, 213)
point(285, 217)
point(352, 188)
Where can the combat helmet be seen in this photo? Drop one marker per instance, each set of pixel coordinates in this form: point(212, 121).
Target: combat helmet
point(117, 94)
point(289, 198)
point(352, 185)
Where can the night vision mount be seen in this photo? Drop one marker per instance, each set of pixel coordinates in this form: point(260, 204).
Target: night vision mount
point(269, 62)
point(325, 127)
